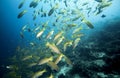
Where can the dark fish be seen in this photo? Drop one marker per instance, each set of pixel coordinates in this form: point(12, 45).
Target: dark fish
point(88, 23)
point(21, 4)
point(53, 9)
point(76, 18)
point(34, 3)
point(51, 12)
point(21, 35)
point(65, 3)
point(29, 30)
point(103, 16)
point(21, 13)
point(34, 17)
point(44, 14)
point(98, 0)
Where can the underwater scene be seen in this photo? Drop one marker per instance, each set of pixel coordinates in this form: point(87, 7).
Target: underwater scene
point(59, 38)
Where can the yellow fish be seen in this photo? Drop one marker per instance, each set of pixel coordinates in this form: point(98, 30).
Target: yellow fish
point(58, 35)
point(21, 13)
point(50, 34)
point(40, 33)
point(76, 42)
point(32, 64)
point(45, 60)
point(77, 29)
point(60, 40)
point(39, 73)
point(58, 59)
point(27, 57)
point(53, 65)
point(51, 76)
point(68, 60)
point(69, 43)
point(88, 23)
point(53, 47)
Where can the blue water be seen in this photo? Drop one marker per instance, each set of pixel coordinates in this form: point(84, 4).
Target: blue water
point(10, 25)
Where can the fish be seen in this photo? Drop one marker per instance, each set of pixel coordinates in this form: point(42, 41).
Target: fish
point(35, 16)
point(88, 23)
point(68, 61)
point(74, 11)
point(24, 27)
point(32, 64)
point(40, 33)
point(34, 3)
point(77, 35)
point(77, 29)
point(45, 60)
point(84, 3)
point(37, 28)
point(12, 67)
point(103, 16)
point(51, 76)
point(21, 35)
point(102, 5)
point(60, 40)
point(76, 18)
point(65, 1)
point(45, 24)
point(21, 4)
point(69, 43)
point(59, 58)
point(53, 66)
point(59, 17)
point(72, 25)
point(32, 44)
point(39, 73)
point(53, 9)
point(50, 34)
point(21, 13)
point(58, 35)
point(105, 4)
point(66, 20)
point(76, 41)
point(53, 48)
point(29, 30)
point(27, 57)
point(98, 0)
point(63, 11)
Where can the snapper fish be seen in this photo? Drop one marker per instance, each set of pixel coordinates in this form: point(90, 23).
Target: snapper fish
point(45, 60)
point(58, 35)
point(53, 9)
point(50, 34)
point(77, 29)
point(59, 58)
point(21, 4)
point(53, 66)
point(27, 57)
point(34, 3)
point(21, 13)
point(68, 61)
point(40, 33)
point(21, 35)
point(69, 43)
point(88, 23)
point(76, 42)
point(53, 48)
point(39, 73)
point(60, 40)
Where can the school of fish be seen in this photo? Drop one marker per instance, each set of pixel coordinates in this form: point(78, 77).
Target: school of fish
point(60, 27)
